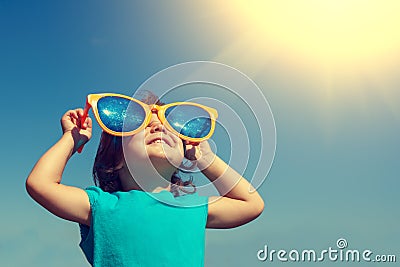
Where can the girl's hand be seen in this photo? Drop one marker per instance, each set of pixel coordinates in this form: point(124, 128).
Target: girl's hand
point(71, 123)
point(199, 153)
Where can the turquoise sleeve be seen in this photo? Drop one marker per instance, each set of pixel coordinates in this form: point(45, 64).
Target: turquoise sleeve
point(93, 193)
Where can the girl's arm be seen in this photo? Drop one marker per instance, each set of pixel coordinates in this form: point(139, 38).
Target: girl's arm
point(43, 183)
point(238, 206)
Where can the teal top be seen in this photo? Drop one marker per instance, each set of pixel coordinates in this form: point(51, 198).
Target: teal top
point(135, 228)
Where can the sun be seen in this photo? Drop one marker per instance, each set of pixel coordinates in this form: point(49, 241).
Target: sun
point(333, 34)
point(333, 50)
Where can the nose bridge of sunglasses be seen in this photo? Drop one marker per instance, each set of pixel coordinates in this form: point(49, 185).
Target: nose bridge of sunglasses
point(154, 108)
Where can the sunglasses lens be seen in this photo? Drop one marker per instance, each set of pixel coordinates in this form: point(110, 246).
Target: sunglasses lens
point(189, 120)
point(120, 114)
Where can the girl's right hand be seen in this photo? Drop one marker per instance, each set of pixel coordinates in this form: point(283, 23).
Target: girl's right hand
point(71, 123)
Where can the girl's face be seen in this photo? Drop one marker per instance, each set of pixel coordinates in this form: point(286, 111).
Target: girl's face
point(157, 144)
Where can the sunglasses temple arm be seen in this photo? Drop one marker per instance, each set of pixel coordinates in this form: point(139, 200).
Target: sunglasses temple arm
point(83, 118)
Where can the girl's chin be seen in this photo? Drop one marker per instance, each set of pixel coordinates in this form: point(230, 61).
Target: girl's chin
point(174, 160)
point(162, 151)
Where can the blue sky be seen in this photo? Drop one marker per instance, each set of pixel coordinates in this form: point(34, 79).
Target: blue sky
point(335, 173)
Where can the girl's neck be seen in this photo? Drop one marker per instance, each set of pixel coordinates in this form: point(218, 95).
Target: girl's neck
point(149, 179)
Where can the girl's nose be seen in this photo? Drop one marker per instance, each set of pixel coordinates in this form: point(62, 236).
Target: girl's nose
point(156, 125)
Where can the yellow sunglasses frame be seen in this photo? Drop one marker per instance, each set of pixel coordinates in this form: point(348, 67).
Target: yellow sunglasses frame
point(92, 99)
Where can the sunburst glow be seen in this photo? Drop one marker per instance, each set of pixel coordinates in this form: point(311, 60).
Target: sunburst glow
point(335, 34)
point(335, 50)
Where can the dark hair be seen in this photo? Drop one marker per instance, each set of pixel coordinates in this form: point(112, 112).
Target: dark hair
point(109, 155)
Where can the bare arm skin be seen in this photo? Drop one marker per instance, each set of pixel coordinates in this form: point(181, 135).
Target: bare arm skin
point(238, 206)
point(43, 183)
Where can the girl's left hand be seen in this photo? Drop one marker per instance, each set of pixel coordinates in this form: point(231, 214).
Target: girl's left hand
point(199, 153)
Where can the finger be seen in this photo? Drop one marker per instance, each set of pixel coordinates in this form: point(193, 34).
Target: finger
point(87, 123)
point(82, 116)
point(67, 115)
point(79, 111)
point(73, 114)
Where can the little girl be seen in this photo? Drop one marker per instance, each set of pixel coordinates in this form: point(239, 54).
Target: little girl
point(132, 218)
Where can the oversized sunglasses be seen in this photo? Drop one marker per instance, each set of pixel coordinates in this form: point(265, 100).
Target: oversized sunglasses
point(121, 115)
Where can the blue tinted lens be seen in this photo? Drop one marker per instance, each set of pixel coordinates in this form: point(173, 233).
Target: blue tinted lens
point(188, 120)
point(120, 114)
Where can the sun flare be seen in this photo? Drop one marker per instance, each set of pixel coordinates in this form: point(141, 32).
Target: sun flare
point(333, 49)
point(333, 34)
